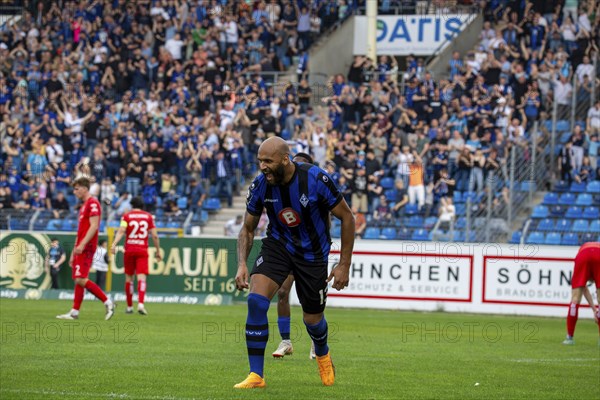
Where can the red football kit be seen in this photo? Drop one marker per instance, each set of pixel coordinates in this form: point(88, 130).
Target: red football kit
point(139, 224)
point(83, 262)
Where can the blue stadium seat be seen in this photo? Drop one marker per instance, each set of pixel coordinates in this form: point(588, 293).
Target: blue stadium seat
point(115, 223)
point(458, 197)
point(404, 233)
point(535, 238)
point(102, 227)
point(391, 194)
point(372, 233)
point(540, 212)
point(591, 213)
point(550, 199)
point(595, 226)
point(593, 187)
point(159, 223)
point(388, 233)
point(387, 183)
point(411, 209)
point(54, 225)
point(68, 225)
point(420, 235)
point(587, 237)
point(577, 187)
point(580, 225)
point(527, 186)
point(584, 199)
point(415, 221)
point(553, 238)
point(516, 237)
point(470, 196)
point(561, 186)
point(336, 232)
point(563, 126)
point(574, 212)
point(182, 202)
point(570, 239)
point(212, 204)
point(546, 225)
point(459, 236)
point(461, 223)
point(567, 199)
point(173, 225)
point(429, 222)
point(564, 138)
point(562, 225)
point(557, 211)
point(460, 209)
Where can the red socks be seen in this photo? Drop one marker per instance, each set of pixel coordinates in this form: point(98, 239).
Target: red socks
point(78, 297)
point(129, 293)
point(572, 318)
point(141, 291)
point(95, 290)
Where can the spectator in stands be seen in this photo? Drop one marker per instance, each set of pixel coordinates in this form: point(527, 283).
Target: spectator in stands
point(223, 177)
point(400, 200)
point(566, 162)
point(196, 195)
point(60, 206)
point(416, 188)
point(593, 119)
point(233, 226)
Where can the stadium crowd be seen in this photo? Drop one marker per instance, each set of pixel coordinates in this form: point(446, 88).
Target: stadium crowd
point(170, 98)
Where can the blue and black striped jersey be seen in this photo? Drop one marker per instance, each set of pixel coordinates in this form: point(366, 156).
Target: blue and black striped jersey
point(299, 211)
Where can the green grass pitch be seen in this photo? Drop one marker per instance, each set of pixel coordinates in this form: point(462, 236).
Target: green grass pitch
point(198, 352)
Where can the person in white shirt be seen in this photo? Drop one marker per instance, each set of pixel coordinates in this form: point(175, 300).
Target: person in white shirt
point(54, 151)
point(593, 119)
point(174, 46)
point(585, 68)
point(231, 32)
point(100, 263)
point(227, 116)
point(233, 226)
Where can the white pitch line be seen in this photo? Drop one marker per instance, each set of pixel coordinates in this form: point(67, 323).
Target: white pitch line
point(553, 360)
point(85, 394)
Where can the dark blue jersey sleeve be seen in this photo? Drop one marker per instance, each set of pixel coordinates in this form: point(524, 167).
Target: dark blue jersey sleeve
point(254, 198)
point(327, 190)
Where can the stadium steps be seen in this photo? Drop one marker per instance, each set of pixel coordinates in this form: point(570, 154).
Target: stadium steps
point(216, 222)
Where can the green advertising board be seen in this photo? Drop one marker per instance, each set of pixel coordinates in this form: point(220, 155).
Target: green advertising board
point(191, 266)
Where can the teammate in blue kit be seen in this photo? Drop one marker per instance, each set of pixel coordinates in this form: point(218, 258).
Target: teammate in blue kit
point(298, 199)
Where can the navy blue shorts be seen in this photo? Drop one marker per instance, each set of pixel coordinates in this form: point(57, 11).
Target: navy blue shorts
point(275, 262)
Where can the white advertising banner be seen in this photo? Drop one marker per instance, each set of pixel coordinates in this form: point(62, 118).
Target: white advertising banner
point(402, 35)
point(527, 280)
point(458, 277)
point(408, 276)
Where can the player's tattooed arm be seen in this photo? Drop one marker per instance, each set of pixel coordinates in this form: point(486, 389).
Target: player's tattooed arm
point(244, 246)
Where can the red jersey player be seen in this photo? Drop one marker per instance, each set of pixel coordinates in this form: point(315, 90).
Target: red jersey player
point(85, 247)
point(136, 225)
point(587, 268)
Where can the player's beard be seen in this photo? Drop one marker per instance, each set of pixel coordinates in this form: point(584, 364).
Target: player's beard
point(278, 175)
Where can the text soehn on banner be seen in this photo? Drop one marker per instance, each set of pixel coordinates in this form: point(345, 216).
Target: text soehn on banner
point(408, 276)
point(527, 280)
point(409, 34)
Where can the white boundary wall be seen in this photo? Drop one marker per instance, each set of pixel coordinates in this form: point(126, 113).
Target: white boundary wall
point(458, 277)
